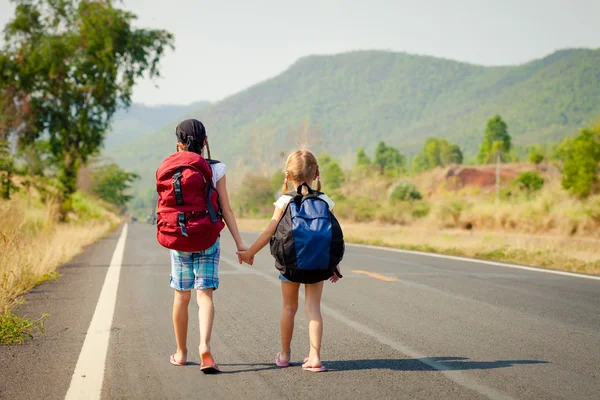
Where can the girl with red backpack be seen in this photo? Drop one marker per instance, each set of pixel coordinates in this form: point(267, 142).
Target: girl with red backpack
point(192, 205)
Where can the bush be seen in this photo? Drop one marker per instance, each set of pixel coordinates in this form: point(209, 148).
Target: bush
point(450, 213)
point(581, 156)
point(255, 197)
point(404, 191)
point(530, 181)
point(358, 209)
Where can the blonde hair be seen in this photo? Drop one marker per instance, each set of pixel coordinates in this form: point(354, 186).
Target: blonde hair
point(301, 166)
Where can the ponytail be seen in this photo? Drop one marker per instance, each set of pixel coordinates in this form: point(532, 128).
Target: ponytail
point(208, 150)
point(284, 188)
point(318, 180)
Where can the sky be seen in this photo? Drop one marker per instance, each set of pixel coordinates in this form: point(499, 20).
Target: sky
point(226, 46)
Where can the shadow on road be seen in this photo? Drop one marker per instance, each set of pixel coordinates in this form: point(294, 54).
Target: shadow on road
point(252, 368)
point(421, 364)
point(406, 364)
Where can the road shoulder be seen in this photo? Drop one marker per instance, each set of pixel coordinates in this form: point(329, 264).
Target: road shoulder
point(43, 368)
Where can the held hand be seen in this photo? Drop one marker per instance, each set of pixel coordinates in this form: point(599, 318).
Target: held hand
point(241, 247)
point(335, 278)
point(244, 256)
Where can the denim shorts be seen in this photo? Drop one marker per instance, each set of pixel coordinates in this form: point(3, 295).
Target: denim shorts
point(284, 279)
point(196, 270)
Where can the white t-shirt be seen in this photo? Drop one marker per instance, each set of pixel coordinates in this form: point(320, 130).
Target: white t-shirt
point(283, 201)
point(218, 171)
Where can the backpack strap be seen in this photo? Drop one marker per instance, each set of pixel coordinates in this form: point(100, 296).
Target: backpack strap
point(177, 186)
point(214, 215)
point(181, 223)
point(211, 209)
point(310, 190)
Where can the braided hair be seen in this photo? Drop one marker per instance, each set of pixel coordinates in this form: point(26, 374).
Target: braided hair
point(192, 134)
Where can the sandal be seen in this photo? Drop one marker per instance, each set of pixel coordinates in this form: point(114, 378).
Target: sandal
point(175, 362)
point(209, 367)
point(310, 368)
point(279, 363)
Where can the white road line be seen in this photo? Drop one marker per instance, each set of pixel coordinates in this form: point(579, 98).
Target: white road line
point(455, 376)
point(88, 377)
point(472, 260)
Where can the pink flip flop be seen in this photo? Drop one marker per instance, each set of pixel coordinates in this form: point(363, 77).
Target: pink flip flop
point(175, 362)
point(210, 367)
point(279, 363)
point(311, 368)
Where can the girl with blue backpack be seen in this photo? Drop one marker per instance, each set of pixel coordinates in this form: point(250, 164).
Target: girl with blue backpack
point(307, 244)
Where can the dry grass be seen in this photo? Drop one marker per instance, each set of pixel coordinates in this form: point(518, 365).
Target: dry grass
point(556, 252)
point(33, 244)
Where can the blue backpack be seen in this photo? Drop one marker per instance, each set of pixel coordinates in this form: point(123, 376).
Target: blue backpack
point(308, 244)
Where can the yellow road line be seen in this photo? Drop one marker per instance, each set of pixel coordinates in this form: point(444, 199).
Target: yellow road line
point(376, 276)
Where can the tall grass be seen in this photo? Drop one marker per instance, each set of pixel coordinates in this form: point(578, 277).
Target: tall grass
point(33, 244)
point(550, 212)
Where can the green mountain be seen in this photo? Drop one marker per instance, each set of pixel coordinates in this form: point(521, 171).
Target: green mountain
point(344, 101)
point(141, 121)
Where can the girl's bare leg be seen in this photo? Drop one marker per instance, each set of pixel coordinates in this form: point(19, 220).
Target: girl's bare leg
point(206, 317)
point(180, 323)
point(289, 293)
point(312, 306)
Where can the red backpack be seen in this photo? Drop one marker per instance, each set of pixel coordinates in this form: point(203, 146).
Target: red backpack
point(188, 217)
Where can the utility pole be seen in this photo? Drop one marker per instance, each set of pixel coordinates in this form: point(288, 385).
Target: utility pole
point(498, 153)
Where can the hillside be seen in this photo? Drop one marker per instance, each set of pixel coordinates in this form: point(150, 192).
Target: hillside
point(359, 98)
point(141, 121)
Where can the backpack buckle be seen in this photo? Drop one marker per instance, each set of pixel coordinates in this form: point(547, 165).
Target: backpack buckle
point(176, 176)
point(181, 223)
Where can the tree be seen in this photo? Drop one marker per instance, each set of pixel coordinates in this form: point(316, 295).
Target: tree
point(112, 183)
point(496, 138)
point(451, 154)
point(388, 158)
point(68, 65)
point(580, 167)
point(7, 169)
point(362, 160)
point(536, 155)
point(437, 153)
point(332, 175)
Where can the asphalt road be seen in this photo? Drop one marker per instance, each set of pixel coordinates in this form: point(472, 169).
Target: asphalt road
point(399, 326)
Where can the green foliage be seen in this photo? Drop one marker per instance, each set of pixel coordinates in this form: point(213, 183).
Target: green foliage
point(389, 159)
point(536, 155)
point(437, 153)
point(404, 191)
point(362, 160)
point(356, 208)
point(522, 188)
point(255, 197)
point(7, 171)
point(69, 65)
point(496, 139)
point(530, 181)
point(86, 208)
point(277, 180)
point(16, 330)
point(581, 156)
point(332, 175)
point(364, 97)
point(112, 184)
